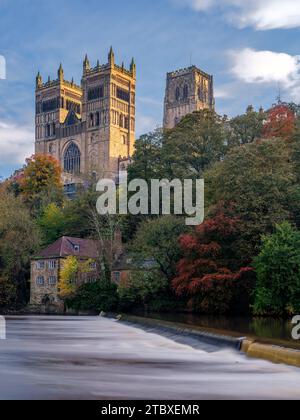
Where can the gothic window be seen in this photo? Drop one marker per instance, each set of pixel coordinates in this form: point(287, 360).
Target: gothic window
point(123, 95)
point(97, 119)
point(96, 93)
point(72, 159)
point(91, 120)
point(127, 123)
point(53, 129)
point(185, 92)
point(48, 130)
point(121, 121)
point(177, 94)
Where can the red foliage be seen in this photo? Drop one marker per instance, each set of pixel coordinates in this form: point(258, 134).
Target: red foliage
point(281, 123)
point(208, 273)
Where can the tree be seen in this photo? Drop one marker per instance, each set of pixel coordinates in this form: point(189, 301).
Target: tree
point(52, 223)
point(247, 128)
point(68, 277)
point(281, 123)
point(147, 158)
point(259, 181)
point(277, 268)
point(19, 240)
point(209, 274)
point(41, 181)
point(95, 297)
point(194, 145)
point(158, 239)
point(147, 290)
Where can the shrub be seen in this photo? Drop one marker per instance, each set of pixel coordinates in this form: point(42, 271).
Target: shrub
point(95, 297)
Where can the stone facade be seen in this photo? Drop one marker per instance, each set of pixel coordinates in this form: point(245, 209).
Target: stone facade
point(89, 128)
point(187, 90)
point(45, 270)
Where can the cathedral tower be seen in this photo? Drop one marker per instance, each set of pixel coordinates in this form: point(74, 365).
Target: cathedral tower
point(90, 128)
point(187, 90)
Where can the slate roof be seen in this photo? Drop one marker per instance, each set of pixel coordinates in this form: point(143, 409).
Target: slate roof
point(128, 262)
point(68, 246)
point(71, 119)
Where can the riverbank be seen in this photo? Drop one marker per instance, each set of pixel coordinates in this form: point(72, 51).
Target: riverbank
point(275, 351)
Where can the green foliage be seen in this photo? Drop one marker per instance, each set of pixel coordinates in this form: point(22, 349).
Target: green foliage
point(278, 273)
point(258, 181)
point(158, 239)
point(52, 223)
point(246, 128)
point(19, 240)
point(95, 297)
point(194, 145)
point(147, 290)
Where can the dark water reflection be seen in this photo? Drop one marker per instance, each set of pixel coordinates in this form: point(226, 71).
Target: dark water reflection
point(277, 329)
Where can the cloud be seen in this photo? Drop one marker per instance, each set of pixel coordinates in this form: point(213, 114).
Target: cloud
point(251, 66)
point(260, 14)
point(16, 143)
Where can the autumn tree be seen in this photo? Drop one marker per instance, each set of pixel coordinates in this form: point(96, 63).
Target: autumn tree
point(71, 272)
point(41, 181)
point(209, 273)
point(281, 123)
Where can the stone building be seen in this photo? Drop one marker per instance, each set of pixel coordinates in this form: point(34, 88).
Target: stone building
point(46, 266)
point(187, 90)
point(89, 128)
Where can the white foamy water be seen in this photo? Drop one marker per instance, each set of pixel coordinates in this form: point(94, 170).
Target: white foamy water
point(96, 358)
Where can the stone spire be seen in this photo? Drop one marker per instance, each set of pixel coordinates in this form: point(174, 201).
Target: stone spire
point(111, 57)
point(86, 64)
point(133, 67)
point(39, 80)
point(60, 73)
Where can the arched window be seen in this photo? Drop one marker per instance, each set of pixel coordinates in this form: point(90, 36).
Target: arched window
point(177, 94)
point(185, 92)
point(91, 120)
point(72, 159)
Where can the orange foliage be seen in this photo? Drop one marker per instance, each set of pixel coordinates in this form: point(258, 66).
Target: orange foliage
point(42, 172)
point(281, 123)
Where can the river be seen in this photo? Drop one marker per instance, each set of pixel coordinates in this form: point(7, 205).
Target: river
point(97, 359)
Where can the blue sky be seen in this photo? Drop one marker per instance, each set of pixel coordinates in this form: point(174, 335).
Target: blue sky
point(251, 48)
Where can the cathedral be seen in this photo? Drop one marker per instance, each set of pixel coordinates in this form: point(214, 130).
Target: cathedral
point(89, 129)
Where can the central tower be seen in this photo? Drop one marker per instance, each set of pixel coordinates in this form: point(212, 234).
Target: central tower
point(108, 110)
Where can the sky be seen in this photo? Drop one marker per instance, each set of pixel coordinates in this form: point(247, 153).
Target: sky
point(251, 47)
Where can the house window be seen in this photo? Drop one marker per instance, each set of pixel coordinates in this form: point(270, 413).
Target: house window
point(52, 281)
point(40, 265)
point(117, 276)
point(40, 281)
point(52, 265)
point(93, 266)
